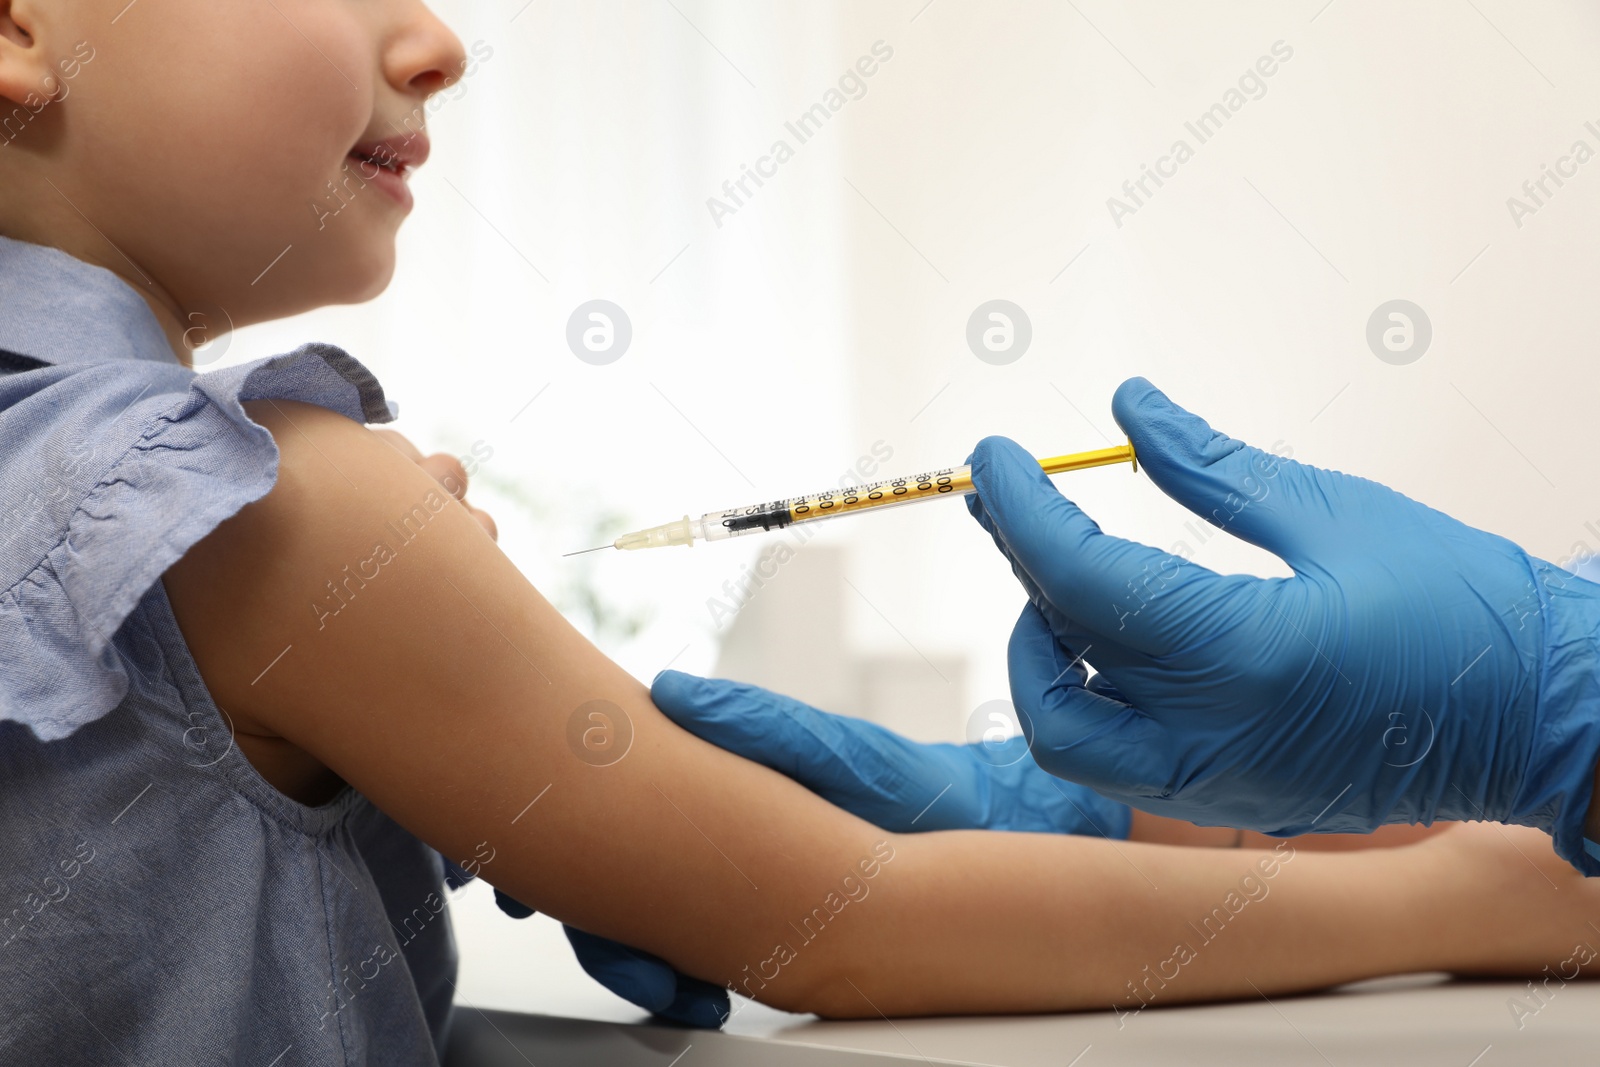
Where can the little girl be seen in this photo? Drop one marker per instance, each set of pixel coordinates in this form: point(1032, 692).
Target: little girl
point(223, 807)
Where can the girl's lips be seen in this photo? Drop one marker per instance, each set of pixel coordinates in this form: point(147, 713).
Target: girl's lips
point(387, 163)
point(407, 152)
point(391, 181)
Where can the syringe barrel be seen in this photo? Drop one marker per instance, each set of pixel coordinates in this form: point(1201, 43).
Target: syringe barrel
point(891, 492)
point(888, 493)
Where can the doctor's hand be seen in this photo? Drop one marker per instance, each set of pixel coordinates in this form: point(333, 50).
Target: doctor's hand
point(1413, 668)
point(872, 772)
point(898, 784)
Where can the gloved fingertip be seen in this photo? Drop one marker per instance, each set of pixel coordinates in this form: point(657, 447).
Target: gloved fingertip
point(1134, 393)
point(512, 906)
point(700, 1005)
point(670, 685)
point(995, 449)
point(1163, 433)
point(1006, 475)
point(667, 676)
point(645, 995)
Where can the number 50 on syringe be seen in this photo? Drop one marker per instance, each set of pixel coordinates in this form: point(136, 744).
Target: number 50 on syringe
point(891, 492)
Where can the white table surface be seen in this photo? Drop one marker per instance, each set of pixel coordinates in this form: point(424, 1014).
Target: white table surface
point(527, 968)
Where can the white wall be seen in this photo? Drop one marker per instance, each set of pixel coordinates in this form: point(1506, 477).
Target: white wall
point(1390, 141)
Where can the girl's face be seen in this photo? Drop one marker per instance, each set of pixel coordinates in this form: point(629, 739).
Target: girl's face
point(202, 150)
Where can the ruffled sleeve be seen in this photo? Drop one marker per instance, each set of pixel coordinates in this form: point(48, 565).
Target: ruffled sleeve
point(109, 472)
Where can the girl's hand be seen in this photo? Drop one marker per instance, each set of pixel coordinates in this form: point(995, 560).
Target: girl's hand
point(446, 470)
point(1525, 906)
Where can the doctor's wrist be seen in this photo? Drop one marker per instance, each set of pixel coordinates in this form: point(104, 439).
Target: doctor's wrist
point(1591, 825)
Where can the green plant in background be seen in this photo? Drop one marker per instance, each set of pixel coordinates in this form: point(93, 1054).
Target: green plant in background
point(573, 522)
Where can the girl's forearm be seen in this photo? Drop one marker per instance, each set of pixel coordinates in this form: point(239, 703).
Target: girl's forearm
point(985, 922)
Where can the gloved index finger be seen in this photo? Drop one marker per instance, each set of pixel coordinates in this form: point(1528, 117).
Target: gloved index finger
point(746, 720)
point(1099, 584)
point(787, 735)
point(860, 766)
point(1068, 631)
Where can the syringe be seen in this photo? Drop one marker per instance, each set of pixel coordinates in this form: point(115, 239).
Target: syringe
point(892, 492)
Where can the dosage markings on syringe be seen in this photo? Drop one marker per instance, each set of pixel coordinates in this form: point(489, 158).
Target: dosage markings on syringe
point(877, 494)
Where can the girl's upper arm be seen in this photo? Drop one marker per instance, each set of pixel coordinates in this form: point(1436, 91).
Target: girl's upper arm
point(360, 612)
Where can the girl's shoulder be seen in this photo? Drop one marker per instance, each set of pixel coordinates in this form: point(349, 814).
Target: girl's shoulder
point(110, 471)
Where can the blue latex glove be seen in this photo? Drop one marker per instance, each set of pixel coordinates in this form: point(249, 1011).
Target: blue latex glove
point(638, 977)
point(650, 981)
point(901, 785)
point(1413, 669)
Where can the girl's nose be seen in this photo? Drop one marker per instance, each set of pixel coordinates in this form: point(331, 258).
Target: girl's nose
point(425, 56)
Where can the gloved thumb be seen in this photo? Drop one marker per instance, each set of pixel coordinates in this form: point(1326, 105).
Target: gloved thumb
point(1258, 496)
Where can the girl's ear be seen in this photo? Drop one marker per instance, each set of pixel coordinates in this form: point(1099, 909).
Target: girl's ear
point(28, 78)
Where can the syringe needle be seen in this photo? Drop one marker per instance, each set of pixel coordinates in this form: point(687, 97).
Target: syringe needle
point(581, 551)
